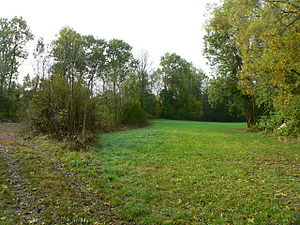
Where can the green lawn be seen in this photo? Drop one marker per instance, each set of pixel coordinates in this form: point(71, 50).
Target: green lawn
point(179, 172)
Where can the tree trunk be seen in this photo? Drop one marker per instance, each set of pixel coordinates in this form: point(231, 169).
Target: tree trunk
point(84, 122)
point(250, 110)
point(115, 104)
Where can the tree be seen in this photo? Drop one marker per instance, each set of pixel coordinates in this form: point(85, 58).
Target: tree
point(42, 64)
point(120, 63)
point(69, 55)
point(270, 45)
point(265, 34)
point(181, 94)
point(222, 49)
point(220, 92)
point(14, 34)
point(96, 61)
point(69, 62)
point(63, 103)
point(145, 82)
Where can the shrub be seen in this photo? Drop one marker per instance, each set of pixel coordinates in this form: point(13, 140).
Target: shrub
point(62, 111)
point(281, 124)
point(134, 114)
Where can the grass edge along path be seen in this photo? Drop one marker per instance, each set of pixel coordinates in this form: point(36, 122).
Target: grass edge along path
point(46, 192)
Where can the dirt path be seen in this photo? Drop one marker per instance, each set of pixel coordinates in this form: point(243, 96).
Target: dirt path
point(44, 190)
point(23, 200)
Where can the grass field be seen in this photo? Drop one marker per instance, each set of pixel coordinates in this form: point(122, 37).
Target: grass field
point(172, 172)
point(179, 172)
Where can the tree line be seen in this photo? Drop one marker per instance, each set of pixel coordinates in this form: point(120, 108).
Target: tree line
point(81, 83)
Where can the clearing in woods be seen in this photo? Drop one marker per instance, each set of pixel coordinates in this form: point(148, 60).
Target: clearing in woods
point(172, 172)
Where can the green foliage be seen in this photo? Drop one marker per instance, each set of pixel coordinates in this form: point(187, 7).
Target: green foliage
point(53, 110)
point(68, 52)
point(223, 51)
point(105, 111)
point(14, 34)
point(70, 103)
point(193, 109)
point(120, 64)
point(149, 102)
point(181, 93)
point(274, 66)
point(134, 114)
point(63, 103)
point(219, 92)
point(102, 72)
point(286, 122)
point(258, 43)
point(11, 101)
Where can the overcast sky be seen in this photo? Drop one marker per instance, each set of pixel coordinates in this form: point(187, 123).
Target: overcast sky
point(158, 26)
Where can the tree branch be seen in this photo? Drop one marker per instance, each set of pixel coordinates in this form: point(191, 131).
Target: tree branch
point(290, 24)
point(292, 70)
point(284, 2)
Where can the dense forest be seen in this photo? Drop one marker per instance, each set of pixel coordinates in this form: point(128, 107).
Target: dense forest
point(82, 83)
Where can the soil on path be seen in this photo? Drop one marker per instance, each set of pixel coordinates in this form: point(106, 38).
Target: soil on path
point(44, 190)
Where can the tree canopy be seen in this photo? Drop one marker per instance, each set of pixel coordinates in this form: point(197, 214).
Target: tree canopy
point(14, 34)
point(255, 46)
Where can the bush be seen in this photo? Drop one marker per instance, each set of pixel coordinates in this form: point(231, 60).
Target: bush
point(134, 115)
point(281, 124)
point(63, 112)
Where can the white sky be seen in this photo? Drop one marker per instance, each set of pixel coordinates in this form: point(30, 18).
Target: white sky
point(158, 26)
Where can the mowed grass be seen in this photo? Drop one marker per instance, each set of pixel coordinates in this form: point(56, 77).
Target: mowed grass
point(180, 172)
